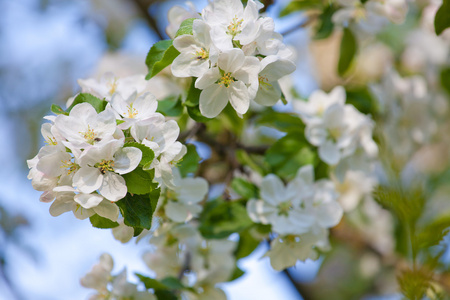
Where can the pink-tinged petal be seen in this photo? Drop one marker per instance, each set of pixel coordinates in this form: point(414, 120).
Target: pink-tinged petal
point(209, 78)
point(213, 100)
point(127, 159)
point(87, 179)
point(113, 187)
point(88, 200)
point(238, 96)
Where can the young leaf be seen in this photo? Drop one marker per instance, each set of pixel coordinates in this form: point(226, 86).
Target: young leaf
point(98, 104)
point(190, 161)
point(244, 188)
point(196, 115)
point(247, 244)
point(151, 283)
point(299, 5)
point(286, 122)
point(171, 106)
point(193, 96)
point(185, 27)
point(290, 153)
point(56, 109)
point(326, 26)
point(140, 182)
point(219, 219)
point(348, 50)
point(101, 222)
point(445, 80)
point(137, 210)
point(161, 55)
point(147, 154)
point(442, 18)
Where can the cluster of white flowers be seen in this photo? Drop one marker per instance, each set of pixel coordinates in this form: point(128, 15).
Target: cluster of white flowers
point(235, 55)
point(112, 287)
point(180, 251)
point(372, 15)
point(339, 130)
point(87, 152)
point(299, 213)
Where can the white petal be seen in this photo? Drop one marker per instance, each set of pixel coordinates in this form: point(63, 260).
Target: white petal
point(127, 159)
point(272, 189)
point(88, 200)
point(213, 100)
point(107, 210)
point(329, 153)
point(87, 179)
point(114, 187)
point(238, 96)
point(209, 78)
point(231, 60)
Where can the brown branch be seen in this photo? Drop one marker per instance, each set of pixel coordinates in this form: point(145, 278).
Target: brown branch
point(302, 24)
point(143, 6)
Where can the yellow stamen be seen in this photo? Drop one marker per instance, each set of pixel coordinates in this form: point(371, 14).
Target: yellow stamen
point(226, 80)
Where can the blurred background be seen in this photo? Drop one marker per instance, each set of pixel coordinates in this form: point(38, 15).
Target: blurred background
point(45, 46)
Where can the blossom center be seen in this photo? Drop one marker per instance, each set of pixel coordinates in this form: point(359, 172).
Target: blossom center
point(226, 80)
point(284, 208)
point(235, 26)
point(264, 82)
point(51, 141)
point(113, 86)
point(89, 135)
point(105, 165)
point(69, 166)
point(132, 112)
point(202, 54)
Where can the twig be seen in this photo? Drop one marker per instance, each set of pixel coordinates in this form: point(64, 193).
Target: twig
point(302, 24)
point(143, 7)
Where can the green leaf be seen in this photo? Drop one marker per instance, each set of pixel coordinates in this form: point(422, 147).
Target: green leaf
point(286, 122)
point(102, 223)
point(442, 18)
point(137, 210)
point(139, 181)
point(147, 154)
point(193, 96)
point(363, 100)
point(172, 283)
point(185, 27)
point(56, 109)
point(221, 218)
point(165, 295)
point(247, 244)
point(445, 80)
point(171, 106)
point(190, 161)
point(98, 104)
point(348, 50)
point(298, 5)
point(290, 153)
point(244, 188)
point(326, 26)
point(151, 283)
point(196, 115)
point(161, 55)
point(237, 273)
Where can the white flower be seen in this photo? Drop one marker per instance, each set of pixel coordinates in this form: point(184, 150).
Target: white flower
point(177, 14)
point(84, 127)
point(272, 69)
point(82, 205)
point(231, 22)
point(123, 233)
point(286, 251)
point(101, 166)
point(134, 108)
point(109, 84)
point(99, 277)
point(197, 53)
point(188, 193)
point(228, 82)
point(161, 137)
point(280, 206)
